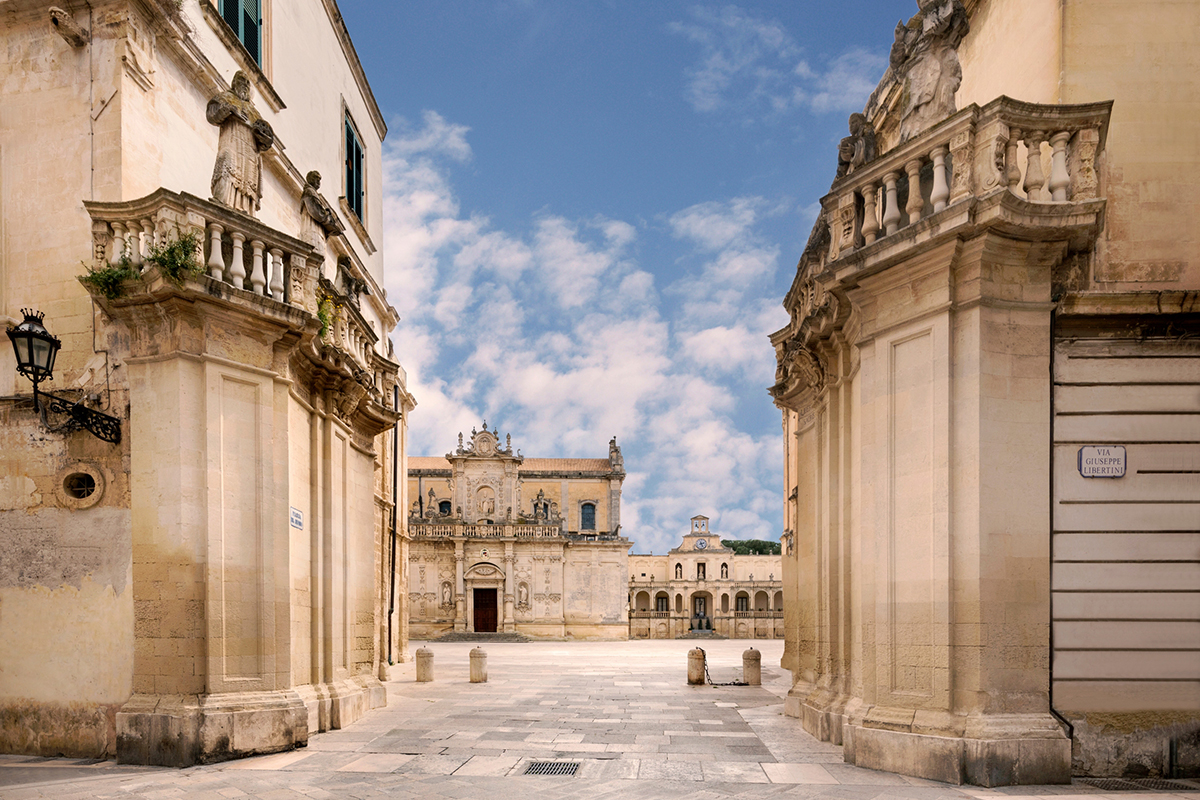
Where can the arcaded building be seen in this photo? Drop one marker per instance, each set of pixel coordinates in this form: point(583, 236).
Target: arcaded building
point(702, 585)
point(503, 543)
point(199, 530)
point(989, 395)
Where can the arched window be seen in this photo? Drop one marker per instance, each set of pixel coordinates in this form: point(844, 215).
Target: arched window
point(779, 601)
point(587, 517)
point(444, 508)
point(678, 604)
point(679, 572)
point(662, 603)
point(742, 602)
point(724, 604)
point(724, 572)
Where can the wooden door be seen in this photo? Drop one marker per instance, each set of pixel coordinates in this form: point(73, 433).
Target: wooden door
point(485, 610)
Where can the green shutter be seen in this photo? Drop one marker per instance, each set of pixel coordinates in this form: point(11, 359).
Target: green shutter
point(251, 33)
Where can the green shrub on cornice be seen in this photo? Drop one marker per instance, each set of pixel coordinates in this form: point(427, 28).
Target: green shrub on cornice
point(177, 259)
point(325, 313)
point(109, 279)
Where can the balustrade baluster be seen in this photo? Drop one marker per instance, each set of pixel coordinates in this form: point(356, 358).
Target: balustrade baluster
point(147, 238)
point(237, 263)
point(1034, 177)
point(216, 261)
point(870, 225)
point(1012, 168)
point(118, 243)
point(891, 210)
point(258, 277)
point(916, 204)
point(133, 244)
point(277, 273)
point(1060, 179)
point(941, 187)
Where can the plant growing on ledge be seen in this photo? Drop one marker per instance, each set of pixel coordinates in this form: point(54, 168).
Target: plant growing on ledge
point(326, 313)
point(108, 280)
point(176, 260)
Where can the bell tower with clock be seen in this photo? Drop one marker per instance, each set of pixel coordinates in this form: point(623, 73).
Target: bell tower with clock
point(699, 537)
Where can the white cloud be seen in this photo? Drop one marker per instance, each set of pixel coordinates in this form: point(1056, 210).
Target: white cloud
point(750, 65)
point(435, 136)
point(573, 267)
point(562, 338)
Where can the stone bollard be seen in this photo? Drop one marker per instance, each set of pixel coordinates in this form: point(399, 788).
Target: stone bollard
point(478, 666)
point(424, 665)
point(752, 667)
point(696, 667)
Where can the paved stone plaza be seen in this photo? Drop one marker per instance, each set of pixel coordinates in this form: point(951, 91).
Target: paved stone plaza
point(623, 710)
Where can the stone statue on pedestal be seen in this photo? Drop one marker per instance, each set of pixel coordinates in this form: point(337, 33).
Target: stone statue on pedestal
point(245, 135)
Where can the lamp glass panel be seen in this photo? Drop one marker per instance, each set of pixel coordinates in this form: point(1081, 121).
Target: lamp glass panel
point(42, 355)
point(21, 345)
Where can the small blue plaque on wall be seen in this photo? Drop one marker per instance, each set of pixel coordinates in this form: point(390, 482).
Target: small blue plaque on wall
point(297, 518)
point(1102, 461)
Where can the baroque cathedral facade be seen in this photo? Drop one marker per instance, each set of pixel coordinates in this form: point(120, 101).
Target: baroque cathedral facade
point(508, 544)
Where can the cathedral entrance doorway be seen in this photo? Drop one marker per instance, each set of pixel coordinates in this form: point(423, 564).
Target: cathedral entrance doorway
point(485, 610)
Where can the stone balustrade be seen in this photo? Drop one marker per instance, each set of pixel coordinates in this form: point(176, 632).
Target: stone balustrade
point(243, 254)
point(347, 330)
point(435, 530)
point(1043, 154)
point(235, 249)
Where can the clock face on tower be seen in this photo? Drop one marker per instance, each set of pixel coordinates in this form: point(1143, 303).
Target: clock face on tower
point(701, 544)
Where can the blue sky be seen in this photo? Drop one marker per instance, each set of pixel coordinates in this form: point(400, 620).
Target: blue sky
point(592, 212)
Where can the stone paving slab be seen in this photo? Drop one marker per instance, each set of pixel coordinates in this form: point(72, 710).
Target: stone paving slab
point(623, 710)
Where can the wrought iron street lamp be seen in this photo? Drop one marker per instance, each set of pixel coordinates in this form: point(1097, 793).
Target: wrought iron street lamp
point(36, 349)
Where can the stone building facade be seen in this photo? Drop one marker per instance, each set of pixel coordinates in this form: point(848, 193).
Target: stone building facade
point(504, 543)
point(702, 585)
point(221, 580)
point(988, 387)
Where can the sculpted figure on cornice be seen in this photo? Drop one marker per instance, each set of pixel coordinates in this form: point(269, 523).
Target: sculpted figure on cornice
point(924, 59)
point(858, 148)
point(318, 220)
point(245, 135)
point(615, 459)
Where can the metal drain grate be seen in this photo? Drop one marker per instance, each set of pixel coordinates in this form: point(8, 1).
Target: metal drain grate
point(551, 768)
point(1164, 785)
point(1137, 784)
point(1111, 784)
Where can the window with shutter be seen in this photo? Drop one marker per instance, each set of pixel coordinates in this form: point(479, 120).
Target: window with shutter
point(244, 17)
point(354, 170)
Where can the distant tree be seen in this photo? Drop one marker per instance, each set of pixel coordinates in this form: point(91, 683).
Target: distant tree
point(752, 547)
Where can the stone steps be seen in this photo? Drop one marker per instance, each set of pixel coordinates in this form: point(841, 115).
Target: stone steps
point(468, 636)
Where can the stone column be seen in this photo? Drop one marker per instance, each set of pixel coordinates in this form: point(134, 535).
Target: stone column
point(460, 591)
point(509, 625)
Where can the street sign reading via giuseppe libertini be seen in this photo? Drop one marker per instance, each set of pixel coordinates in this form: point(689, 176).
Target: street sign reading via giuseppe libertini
point(1107, 461)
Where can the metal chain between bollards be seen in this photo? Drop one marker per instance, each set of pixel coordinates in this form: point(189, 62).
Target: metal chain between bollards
point(709, 679)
